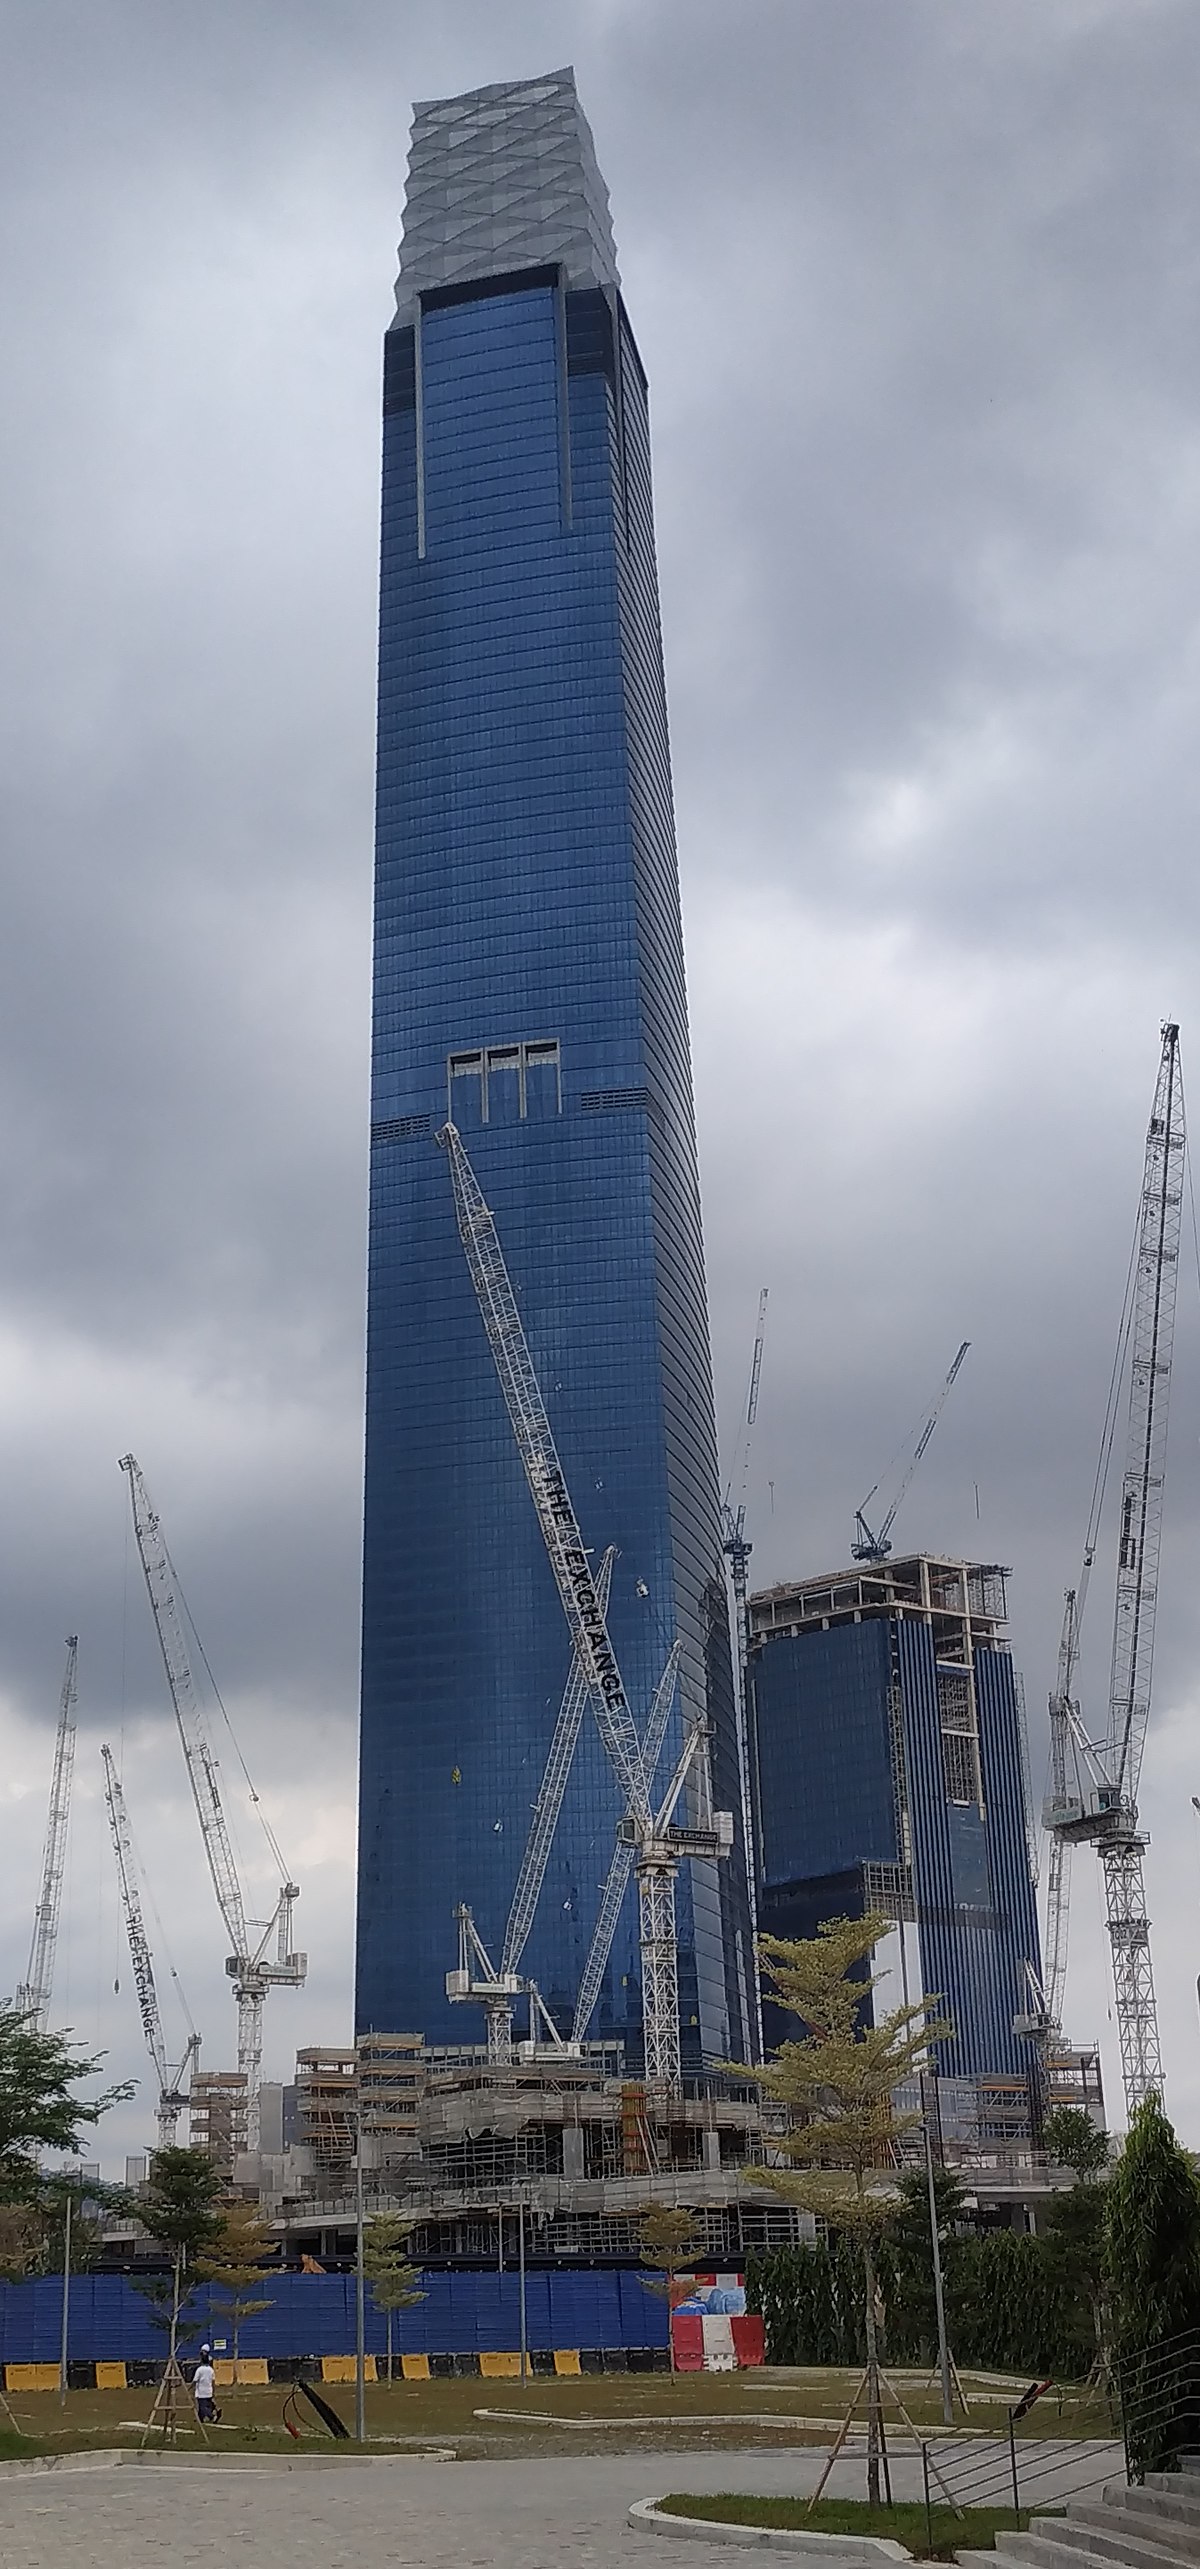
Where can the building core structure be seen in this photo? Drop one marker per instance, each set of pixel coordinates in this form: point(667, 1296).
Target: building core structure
point(891, 1775)
point(529, 986)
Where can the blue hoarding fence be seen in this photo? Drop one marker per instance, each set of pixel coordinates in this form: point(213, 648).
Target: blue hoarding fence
point(462, 2314)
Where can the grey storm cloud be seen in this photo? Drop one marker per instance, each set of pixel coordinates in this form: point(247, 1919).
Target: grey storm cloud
point(916, 287)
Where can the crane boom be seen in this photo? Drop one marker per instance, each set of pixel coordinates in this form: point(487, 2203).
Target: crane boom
point(1140, 1532)
point(617, 1883)
point(532, 1871)
point(544, 1473)
point(656, 1846)
point(876, 1547)
point(139, 1946)
point(172, 2096)
point(246, 1965)
point(33, 1996)
point(158, 1571)
point(1099, 1805)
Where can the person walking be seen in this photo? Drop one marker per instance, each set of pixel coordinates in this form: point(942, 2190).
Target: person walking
point(204, 2383)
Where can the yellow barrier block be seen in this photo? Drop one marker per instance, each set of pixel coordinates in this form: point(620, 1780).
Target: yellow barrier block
point(31, 2377)
point(415, 2368)
point(111, 2377)
point(566, 2360)
point(253, 2372)
point(341, 2368)
point(496, 2368)
point(223, 2372)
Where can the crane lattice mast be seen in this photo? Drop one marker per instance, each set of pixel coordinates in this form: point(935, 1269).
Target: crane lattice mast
point(172, 2094)
point(33, 1996)
point(737, 1549)
point(657, 1845)
point(247, 1965)
point(1103, 1806)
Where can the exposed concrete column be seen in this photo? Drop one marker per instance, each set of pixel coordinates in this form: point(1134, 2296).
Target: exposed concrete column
point(572, 2141)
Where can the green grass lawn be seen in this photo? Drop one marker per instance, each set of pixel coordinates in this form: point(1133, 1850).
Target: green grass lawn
point(974, 2530)
point(602, 2413)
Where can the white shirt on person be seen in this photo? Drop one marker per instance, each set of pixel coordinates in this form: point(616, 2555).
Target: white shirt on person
point(205, 2382)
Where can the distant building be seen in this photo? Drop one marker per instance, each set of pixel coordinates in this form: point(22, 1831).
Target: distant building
point(890, 1774)
point(529, 983)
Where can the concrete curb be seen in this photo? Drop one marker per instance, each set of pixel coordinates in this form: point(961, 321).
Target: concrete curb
point(150, 2460)
point(846, 2550)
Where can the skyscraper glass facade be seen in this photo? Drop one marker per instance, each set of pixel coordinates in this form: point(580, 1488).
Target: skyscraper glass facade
point(891, 1773)
point(528, 983)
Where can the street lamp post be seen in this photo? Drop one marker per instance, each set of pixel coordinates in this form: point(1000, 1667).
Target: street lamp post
point(360, 2329)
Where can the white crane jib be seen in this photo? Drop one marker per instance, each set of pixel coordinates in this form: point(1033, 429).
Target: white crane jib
point(1100, 1803)
point(172, 2093)
point(656, 1852)
point(876, 1547)
point(33, 1996)
point(247, 1964)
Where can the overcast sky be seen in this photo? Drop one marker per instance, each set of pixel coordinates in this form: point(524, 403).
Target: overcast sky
point(916, 286)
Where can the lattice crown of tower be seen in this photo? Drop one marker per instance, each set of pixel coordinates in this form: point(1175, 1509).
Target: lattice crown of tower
point(501, 179)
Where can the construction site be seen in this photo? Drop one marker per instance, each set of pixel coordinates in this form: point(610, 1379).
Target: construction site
point(536, 2138)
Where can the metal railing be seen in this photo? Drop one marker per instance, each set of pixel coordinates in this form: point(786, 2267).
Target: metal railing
point(1160, 2403)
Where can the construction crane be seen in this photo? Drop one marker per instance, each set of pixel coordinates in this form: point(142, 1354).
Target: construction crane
point(737, 1549)
point(876, 1547)
point(172, 2083)
point(657, 1845)
point(477, 1980)
point(1042, 2020)
point(249, 1966)
point(1094, 1794)
point(33, 1996)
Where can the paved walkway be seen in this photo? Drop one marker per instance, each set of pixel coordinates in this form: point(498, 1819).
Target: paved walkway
point(557, 2514)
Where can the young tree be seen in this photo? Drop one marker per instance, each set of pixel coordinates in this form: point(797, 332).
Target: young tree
point(668, 2240)
point(1072, 2140)
point(395, 2284)
point(1153, 2268)
point(235, 2261)
point(839, 2086)
point(180, 2207)
point(38, 2107)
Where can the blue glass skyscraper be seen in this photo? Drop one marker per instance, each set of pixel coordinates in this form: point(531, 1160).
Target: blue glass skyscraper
point(891, 1776)
point(529, 983)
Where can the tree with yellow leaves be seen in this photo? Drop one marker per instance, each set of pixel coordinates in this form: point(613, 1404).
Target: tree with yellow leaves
point(838, 2086)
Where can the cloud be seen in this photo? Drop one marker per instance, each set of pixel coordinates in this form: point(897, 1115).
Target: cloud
point(916, 292)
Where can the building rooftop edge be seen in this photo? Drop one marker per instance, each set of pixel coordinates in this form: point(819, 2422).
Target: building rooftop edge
point(881, 1571)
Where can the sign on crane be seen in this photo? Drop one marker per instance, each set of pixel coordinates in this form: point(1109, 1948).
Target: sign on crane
point(876, 1547)
point(172, 2083)
point(1097, 1802)
point(656, 1845)
point(248, 1965)
point(33, 1996)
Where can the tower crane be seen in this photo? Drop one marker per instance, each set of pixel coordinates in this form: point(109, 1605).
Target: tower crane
point(33, 1996)
point(249, 1965)
point(172, 2084)
point(1097, 1802)
point(876, 1547)
point(657, 1845)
